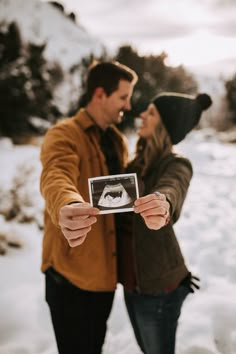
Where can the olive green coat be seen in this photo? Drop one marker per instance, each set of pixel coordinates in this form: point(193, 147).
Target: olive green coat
point(151, 261)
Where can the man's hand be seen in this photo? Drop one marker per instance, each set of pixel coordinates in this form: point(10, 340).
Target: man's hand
point(76, 221)
point(154, 209)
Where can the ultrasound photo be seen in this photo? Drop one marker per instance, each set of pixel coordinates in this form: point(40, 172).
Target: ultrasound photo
point(114, 193)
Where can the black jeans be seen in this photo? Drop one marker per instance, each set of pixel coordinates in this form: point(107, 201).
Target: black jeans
point(79, 317)
point(154, 319)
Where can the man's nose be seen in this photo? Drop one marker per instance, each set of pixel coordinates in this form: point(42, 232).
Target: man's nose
point(127, 106)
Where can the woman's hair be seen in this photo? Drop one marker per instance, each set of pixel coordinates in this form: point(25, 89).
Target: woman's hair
point(154, 147)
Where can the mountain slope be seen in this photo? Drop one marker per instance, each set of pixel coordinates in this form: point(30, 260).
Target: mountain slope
point(40, 22)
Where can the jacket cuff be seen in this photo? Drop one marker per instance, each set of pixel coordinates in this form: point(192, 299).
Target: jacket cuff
point(69, 199)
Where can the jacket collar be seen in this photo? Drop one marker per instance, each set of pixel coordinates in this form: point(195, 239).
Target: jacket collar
point(84, 120)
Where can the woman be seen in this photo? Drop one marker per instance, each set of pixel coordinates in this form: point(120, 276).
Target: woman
point(152, 269)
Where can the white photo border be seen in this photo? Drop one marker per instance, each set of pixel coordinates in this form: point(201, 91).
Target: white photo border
point(103, 183)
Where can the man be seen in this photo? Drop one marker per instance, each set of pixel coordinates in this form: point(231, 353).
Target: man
point(79, 247)
point(80, 281)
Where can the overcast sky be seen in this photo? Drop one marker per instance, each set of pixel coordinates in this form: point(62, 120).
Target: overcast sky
point(190, 31)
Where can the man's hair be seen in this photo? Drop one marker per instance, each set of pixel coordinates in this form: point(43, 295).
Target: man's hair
point(108, 75)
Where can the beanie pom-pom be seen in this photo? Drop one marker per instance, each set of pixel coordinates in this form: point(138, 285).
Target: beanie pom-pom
point(204, 100)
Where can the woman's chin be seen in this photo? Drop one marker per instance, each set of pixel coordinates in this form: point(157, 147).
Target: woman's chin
point(141, 133)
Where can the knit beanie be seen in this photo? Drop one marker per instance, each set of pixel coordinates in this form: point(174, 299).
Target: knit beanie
point(180, 113)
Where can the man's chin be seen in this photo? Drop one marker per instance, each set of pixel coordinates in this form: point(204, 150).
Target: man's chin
point(119, 118)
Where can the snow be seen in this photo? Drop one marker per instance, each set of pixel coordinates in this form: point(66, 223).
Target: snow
point(40, 23)
point(206, 232)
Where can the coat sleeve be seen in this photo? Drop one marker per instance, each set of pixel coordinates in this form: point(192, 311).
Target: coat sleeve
point(60, 170)
point(174, 182)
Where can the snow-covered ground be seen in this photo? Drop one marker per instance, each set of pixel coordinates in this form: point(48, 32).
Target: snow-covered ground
point(206, 232)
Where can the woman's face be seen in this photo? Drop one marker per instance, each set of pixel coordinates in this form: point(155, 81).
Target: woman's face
point(150, 118)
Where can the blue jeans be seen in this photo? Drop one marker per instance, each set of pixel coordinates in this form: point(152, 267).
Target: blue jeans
point(154, 319)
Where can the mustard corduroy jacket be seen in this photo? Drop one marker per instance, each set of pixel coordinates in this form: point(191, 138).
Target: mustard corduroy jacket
point(70, 154)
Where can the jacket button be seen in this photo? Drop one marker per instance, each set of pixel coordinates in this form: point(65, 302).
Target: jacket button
point(111, 232)
point(113, 254)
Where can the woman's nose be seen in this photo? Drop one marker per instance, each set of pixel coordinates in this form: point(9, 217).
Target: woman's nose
point(142, 115)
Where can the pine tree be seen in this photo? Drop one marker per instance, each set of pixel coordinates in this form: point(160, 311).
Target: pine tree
point(230, 87)
point(154, 77)
point(26, 84)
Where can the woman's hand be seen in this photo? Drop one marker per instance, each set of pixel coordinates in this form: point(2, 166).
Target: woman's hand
point(154, 209)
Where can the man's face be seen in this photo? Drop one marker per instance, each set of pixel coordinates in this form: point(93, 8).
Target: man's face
point(113, 106)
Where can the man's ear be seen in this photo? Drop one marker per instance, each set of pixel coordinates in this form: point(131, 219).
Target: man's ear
point(99, 93)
